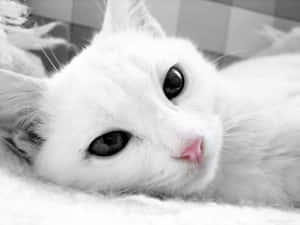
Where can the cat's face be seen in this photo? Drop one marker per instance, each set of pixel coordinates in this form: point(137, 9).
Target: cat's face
point(118, 120)
point(117, 85)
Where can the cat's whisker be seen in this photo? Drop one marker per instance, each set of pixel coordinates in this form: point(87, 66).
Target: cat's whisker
point(125, 190)
point(218, 59)
point(153, 181)
point(161, 181)
point(55, 58)
point(236, 120)
point(49, 60)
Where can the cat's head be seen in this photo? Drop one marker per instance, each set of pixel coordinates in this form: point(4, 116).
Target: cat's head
point(135, 111)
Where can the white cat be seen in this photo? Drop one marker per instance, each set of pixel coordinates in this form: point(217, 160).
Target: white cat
point(138, 111)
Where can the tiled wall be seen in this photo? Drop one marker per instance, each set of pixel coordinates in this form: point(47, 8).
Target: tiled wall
point(232, 27)
point(229, 27)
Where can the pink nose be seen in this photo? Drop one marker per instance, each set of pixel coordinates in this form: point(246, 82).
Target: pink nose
point(194, 152)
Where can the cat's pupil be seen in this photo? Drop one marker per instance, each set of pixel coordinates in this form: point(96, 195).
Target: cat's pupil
point(174, 82)
point(113, 139)
point(109, 144)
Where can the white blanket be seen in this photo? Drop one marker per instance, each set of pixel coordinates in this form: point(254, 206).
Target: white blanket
point(30, 202)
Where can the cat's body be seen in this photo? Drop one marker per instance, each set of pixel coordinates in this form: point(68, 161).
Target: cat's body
point(230, 135)
point(260, 157)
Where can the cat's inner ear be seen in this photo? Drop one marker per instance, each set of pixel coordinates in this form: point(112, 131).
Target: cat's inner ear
point(20, 116)
point(129, 15)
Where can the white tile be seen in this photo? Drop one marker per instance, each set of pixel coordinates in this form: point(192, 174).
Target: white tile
point(244, 38)
point(166, 12)
point(206, 23)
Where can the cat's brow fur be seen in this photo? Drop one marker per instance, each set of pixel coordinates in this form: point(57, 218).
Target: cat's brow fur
point(247, 114)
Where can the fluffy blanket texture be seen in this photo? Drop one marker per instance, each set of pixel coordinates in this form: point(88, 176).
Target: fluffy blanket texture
point(27, 201)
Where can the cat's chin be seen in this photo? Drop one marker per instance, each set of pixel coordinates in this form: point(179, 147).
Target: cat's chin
point(192, 183)
point(194, 189)
point(198, 182)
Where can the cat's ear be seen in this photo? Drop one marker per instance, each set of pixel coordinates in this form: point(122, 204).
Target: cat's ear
point(20, 116)
point(129, 15)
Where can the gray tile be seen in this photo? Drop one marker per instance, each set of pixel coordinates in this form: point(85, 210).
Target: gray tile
point(285, 24)
point(244, 33)
point(88, 13)
point(227, 2)
point(206, 23)
point(56, 9)
point(81, 35)
point(262, 6)
point(289, 9)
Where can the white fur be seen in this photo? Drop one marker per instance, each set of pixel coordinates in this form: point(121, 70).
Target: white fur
point(248, 115)
point(160, 125)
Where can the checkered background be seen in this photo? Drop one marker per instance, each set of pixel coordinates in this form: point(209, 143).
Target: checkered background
point(218, 27)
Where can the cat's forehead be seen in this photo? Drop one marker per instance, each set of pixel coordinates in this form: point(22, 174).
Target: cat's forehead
point(105, 79)
point(131, 39)
point(140, 46)
point(118, 72)
point(126, 60)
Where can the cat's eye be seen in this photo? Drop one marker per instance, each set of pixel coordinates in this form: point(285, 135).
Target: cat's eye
point(109, 144)
point(173, 83)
